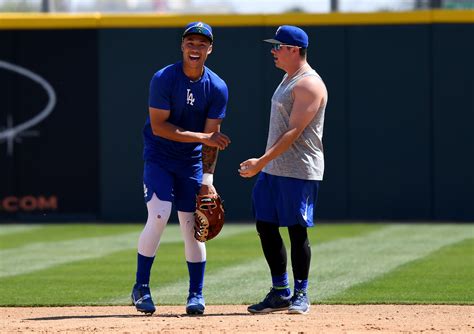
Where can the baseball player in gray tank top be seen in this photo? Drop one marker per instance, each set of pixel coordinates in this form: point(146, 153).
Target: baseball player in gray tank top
point(304, 159)
point(289, 172)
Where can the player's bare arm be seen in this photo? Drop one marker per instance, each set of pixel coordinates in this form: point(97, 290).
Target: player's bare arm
point(308, 94)
point(209, 158)
point(209, 155)
point(161, 127)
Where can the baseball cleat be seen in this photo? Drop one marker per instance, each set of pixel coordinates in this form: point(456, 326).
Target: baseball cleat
point(195, 304)
point(141, 298)
point(299, 303)
point(273, 302)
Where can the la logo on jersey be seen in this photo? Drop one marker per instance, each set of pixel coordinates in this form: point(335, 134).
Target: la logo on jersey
point(190, 98)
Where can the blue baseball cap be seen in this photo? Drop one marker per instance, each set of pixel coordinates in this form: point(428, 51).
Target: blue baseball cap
point(290, 35)
point(199, 28)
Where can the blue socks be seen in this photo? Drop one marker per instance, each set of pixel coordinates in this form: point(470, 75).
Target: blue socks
point(196, 273)
point(196, 276)
point(281, 285)
point(301, 284)
point(144, 264)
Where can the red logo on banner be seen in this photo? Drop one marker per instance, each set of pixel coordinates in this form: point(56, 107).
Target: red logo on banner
point(28, 203)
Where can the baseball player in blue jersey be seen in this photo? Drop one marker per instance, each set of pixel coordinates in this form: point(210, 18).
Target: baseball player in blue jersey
point(187, 103)
point(286, 190)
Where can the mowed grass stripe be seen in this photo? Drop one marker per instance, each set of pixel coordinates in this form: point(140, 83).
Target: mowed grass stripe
point(63, 232)
point(11, 229)
point(43, 255)
point(336, 265)
point(445, 276)
point(97, 281)
point(226, 256)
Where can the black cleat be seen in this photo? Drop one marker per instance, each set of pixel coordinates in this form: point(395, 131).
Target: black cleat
point(273, 302)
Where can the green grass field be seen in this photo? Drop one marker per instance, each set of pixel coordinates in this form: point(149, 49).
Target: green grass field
point(84, 264)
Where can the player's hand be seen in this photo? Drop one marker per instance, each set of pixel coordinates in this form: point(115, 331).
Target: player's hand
point(216, 139)
point(208, 190)
point(250, 167)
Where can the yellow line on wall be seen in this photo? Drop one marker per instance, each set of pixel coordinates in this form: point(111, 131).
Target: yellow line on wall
point(152, 20)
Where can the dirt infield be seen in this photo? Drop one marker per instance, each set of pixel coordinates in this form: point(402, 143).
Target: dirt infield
point(235, 319)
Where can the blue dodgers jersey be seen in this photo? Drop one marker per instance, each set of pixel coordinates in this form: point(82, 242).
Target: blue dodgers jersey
point(190, 103)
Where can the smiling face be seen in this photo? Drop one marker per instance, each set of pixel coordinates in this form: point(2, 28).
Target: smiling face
point(195, 49)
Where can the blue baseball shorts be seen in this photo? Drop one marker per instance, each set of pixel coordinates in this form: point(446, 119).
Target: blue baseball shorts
point(177, 185)
point(284, 201)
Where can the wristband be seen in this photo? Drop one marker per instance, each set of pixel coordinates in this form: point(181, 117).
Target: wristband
point(207, 179)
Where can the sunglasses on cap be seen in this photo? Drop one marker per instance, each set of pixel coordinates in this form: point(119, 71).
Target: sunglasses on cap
point(278, 46)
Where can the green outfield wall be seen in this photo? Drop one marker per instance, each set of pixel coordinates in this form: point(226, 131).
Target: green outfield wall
point(399, 131)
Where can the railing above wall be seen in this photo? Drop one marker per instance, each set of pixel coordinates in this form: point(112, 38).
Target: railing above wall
point(100, 20)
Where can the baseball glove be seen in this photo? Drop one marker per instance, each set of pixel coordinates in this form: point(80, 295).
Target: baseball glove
point(208, 218)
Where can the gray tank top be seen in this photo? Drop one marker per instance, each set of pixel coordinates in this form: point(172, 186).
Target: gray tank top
point(304, 159)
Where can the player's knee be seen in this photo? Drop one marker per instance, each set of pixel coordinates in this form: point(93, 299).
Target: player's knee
point(158, 211)
point(298, 235)
point(186, 220)
point(186, 224)
point(267, 230)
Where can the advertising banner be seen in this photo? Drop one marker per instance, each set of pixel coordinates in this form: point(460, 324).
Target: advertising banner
point(48, 124)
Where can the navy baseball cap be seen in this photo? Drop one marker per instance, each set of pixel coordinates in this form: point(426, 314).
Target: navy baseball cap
point(199, 28)
point(289, 35)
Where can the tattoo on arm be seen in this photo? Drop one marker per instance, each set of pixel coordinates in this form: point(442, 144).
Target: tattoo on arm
point(209, 159)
